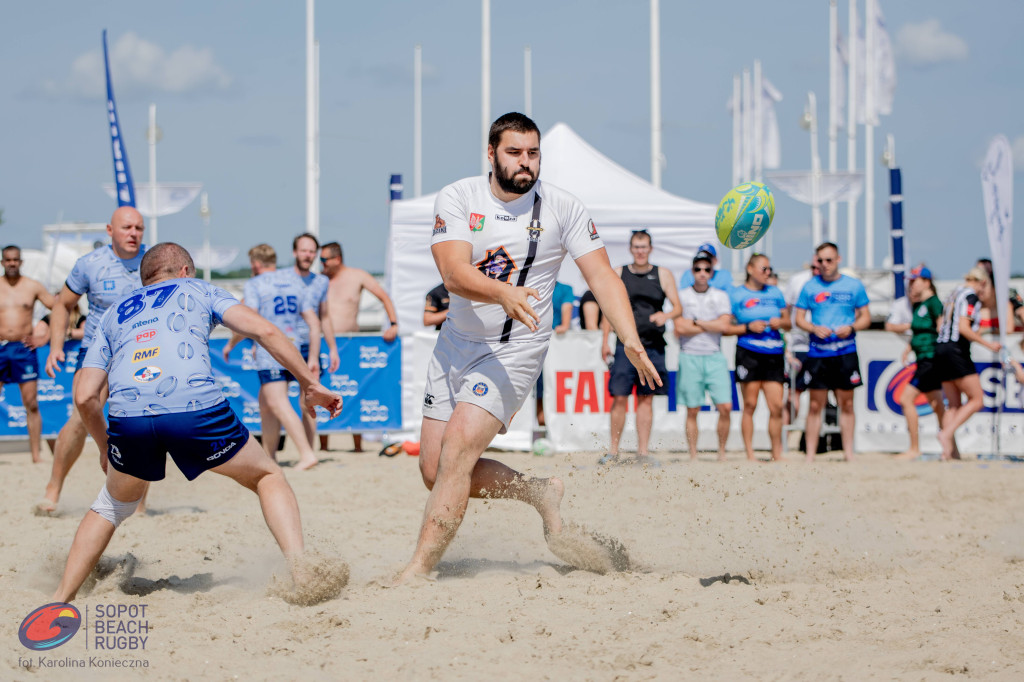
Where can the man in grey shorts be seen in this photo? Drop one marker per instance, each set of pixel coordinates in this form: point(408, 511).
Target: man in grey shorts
point(498, 241)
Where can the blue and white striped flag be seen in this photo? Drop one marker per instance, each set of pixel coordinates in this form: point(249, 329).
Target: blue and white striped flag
point(122, 171)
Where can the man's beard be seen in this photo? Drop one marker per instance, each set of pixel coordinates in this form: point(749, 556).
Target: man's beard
point(508, 183)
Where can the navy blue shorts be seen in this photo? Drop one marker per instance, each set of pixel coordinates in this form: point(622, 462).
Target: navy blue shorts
point(324, 360)
point(623, 375)
point(196, 441)
point(269, 376)
point(18, 364)
point(81, 357)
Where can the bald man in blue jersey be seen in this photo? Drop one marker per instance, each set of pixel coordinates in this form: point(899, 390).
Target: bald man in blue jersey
point(164, 400)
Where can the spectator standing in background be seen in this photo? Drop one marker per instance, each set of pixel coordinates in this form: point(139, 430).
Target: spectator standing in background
point(720, 279)
point(707, 314)
point(832, 307)
point(761, 317)
point(648, 287)
point(435, 310)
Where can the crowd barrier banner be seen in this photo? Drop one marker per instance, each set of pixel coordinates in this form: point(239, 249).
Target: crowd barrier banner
point(577, 405)
point(382, 384)
point(368, 378)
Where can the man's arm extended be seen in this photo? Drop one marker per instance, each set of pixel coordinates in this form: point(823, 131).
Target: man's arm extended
point(370, 284)
point(247, 322)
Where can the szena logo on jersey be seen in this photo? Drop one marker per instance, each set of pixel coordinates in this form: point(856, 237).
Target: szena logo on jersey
point(49, 626)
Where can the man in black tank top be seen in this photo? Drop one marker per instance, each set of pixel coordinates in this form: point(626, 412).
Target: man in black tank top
point(647, 286)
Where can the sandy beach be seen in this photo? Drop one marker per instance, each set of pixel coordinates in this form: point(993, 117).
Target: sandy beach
point(872, 570)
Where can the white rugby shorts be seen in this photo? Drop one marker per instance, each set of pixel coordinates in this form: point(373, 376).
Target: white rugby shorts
point(495, 376)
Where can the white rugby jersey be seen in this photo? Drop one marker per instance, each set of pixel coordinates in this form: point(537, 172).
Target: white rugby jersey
point(502, 241)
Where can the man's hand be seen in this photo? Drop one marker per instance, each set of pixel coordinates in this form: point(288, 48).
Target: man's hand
point(845, 331)
point(822, 332)
point(227, 351)
point(775, 323)
point(905, 357)
point(562, 328)
point(390, 333)
point(318, 396)
point(644, 367)
point(993, 346)
point(757, 326)
point(334, 361)
point(606, 353)
point(55, 360)
point(516, 304)
point(659, 318)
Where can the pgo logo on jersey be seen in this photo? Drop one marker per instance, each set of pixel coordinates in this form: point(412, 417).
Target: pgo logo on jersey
point(49, 626)
point(476, 222)
point(822, 297)
point(439, 225)
point(497, 265)
point(480, 389)
point(145, 336)
point(592, 229)
point(145, 354)
point(752, 302)
point(147, 374)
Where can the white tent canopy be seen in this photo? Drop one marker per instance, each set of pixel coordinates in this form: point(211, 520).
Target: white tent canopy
point(618, 201)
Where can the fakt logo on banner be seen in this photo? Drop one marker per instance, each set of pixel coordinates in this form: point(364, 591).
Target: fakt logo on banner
point(49, 626)
point(887, 379)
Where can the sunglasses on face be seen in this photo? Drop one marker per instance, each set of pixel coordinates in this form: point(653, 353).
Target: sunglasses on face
point(702, 269)
point(822, 261)
point(766, 269)
point(323, 260)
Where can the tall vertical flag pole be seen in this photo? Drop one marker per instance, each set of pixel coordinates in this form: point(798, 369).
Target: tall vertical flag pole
point(485, 76)
point(316, 134)
point(896, 218)
point(312, 219)
point(417, 122)
point(528, 81)
point(655, 94)
point(737, 149)
point(204, 213)
point(152, 135)
point(851, 136)
point(122, 170)
point(833, 111)
point(869, 134)
point(747, 137)
point(765, 244)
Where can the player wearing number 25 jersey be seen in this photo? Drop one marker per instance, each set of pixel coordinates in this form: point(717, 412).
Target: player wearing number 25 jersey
point(280, 297)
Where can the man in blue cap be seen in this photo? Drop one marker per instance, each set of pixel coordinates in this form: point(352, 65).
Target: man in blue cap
point(720, 279)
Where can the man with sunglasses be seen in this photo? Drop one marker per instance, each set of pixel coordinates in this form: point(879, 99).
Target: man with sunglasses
point(720, 279)
point(832, 308)
point(707, 313)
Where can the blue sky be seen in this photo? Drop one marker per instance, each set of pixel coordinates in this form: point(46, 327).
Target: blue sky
point(228, 78)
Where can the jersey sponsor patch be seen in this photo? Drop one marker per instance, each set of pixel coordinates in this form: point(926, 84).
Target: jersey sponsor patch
point(592, 229)
point(148, 374)
point(480, 388)
point(476, 222)
point(145, 336)
point(146, 354)
point(497, 265)
point(440, 227)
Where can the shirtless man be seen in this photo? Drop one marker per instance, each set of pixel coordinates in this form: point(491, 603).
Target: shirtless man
point(304, 249)
point(103, 276)
point(343, 293)
point(18, 296)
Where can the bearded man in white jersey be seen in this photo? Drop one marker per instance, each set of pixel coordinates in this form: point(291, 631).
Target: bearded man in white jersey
point(499, 241)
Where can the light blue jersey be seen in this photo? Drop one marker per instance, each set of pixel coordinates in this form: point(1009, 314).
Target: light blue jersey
point(316, 285)
point(154, 346)
point(103, 278)
point(281, 297)
point(833, 305)
point(749, 306)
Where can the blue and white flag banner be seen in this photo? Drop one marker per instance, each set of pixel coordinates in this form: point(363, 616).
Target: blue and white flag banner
point(369, 379)
point(122, 171)
point(997, 191)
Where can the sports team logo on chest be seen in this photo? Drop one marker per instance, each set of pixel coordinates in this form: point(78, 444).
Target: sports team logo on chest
point(476, 222)
point(497, 264)
point(533, 230)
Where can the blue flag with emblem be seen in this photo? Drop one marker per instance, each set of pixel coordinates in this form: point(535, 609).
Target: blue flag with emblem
point(122, 171)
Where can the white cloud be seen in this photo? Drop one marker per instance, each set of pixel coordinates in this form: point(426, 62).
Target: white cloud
point(139, 65)
point(1018, 153)
point(926, 44)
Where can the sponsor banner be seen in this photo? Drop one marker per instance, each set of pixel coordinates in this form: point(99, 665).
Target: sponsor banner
point(881, 426)
point(577, 405)
point(368, 378)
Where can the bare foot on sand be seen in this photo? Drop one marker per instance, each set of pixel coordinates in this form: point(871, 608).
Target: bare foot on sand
point(909, 454)
point(947, 446)
point(546, 494)
point(305, 463)
point(45, 507)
